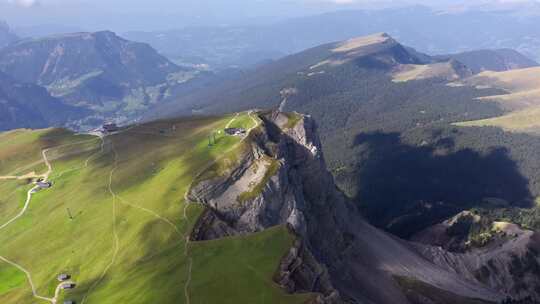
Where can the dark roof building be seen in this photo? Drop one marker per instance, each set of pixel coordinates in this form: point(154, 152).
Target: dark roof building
point(63, 277)
point(235, 131)
point(110, 127)
point(44, 185)
point(69, 302)
point(68, 286)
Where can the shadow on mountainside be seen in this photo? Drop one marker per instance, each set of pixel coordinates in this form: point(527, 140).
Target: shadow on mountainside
point(405, 188)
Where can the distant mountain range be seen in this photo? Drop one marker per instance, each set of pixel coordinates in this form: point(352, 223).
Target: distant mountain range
point(492, 60)
point(377, 54)
point(98, 72)
point(7, 36)
point(44, 30)
point(24, 105)
point(448, 32)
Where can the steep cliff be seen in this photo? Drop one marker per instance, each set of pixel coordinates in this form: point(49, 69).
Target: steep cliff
point(281, 178)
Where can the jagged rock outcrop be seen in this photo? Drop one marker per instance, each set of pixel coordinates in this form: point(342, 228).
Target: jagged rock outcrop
point(506, 258)
point(337, 253)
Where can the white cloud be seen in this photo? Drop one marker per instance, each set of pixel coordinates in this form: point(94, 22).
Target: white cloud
point(23, 3)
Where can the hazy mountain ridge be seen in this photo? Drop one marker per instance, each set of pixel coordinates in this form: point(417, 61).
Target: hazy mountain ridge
point(244, 45)
point(101, 72)
point(46, 60)
point(24, 105)
point(497, 60)
point(7, 36)
point(379, 53)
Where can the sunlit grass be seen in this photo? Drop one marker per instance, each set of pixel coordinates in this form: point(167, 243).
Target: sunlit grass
point(69, 228)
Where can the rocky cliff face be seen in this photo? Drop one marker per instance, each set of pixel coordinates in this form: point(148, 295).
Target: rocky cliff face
point(337, 253)
point(499, 254)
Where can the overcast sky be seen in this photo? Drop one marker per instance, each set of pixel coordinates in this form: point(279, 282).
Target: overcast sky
point(121, 15)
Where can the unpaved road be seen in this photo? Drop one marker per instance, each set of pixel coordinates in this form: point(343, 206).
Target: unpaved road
point(29, 194)
point(44, 176)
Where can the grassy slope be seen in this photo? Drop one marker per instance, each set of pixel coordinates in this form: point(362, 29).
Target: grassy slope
point(21, 149)
point(10, 278)
point(12, 198)
point(527, 120)
point(231, 270)
point(522, 100)
point(153, 171)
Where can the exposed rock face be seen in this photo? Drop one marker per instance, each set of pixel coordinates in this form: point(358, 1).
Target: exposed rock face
point(337, 254)
point(452, 234)
point(506, 260)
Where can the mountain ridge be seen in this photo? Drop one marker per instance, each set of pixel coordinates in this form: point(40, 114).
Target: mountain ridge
point(496, 60)
point(377, 52)
point(102, 73)
point(24, 105)
point(251, 44)
point(7, 36)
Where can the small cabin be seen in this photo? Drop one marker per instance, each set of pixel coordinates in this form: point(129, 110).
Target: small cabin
point(235, 131)
point(44, 185)
point(63, 277)
point(68, 286)
point(110, 127)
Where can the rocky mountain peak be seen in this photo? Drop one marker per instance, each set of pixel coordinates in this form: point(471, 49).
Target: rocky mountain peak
point(379, 51)
point(281, 179)
point(357, 44)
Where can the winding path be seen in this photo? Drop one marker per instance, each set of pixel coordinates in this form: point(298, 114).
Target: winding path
point(29, 194)
point(151, 212)
point(33, 190)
